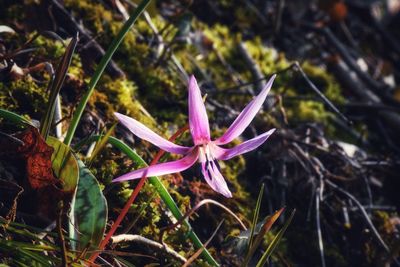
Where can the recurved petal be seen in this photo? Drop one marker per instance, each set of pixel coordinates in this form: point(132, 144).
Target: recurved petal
point(198, 119)
point(162, 168)
point(214, 178)
point(145, 133)
point(249, 145)
point(246, 116)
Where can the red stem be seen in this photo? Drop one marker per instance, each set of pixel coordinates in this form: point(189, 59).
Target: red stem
point(132, 198)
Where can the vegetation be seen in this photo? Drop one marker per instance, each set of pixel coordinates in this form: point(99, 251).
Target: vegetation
point(333, 159)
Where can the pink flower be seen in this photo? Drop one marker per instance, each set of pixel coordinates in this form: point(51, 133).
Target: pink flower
point(205, 150)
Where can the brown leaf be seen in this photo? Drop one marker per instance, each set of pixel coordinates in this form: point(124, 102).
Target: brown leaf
point(38, 158)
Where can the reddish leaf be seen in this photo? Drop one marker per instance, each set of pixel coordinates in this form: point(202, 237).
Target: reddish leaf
point(38, 158)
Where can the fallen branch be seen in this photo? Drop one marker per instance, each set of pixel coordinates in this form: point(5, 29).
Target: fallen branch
point(253, 65)
point(151, 243)
point(191, 211)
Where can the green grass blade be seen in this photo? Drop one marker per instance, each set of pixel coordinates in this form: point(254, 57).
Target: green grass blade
point(13, 117)
point(101, 144)
point(55, 86)
point(26, 252)
point(255, 216)
point(161, 190)
point(266, 226)
point(275, 242)
point(28, 231)
point(100, 69)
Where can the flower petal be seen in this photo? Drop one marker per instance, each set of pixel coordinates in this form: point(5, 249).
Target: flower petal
point(198, 119)
point(162, 168)
point(246, 116)
point(214, 178)
point(145, 133)
point(249, 145)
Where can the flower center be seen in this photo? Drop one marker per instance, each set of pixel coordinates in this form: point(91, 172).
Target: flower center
point(206, 156)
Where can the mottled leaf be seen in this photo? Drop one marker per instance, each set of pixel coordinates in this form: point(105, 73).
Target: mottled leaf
point(88, 216)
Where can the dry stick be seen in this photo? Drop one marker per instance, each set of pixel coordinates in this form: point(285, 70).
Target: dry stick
point(200, 250)
point(347, 57)
point(378, 87)
point(151, 243)
point(278, 19)
point(191, 211)
point(320, 94)
point(129, 254)
point(252, 64)
point(367, 13)
point(64, 261)
point(105, 262)
point(363, 212)
point(319, 232)
point(355, 84)
point(133, 196)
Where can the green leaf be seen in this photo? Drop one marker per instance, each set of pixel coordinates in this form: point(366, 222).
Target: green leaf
point(275, 242)
point(243, 243)
point(255, 217)
point(88, 216)
point(64, 163)
point(161, 190)
point(27, 253)
point(240, 243)
point(13, 117)
point(55, 86)
point(101, 144)
point(266, 226)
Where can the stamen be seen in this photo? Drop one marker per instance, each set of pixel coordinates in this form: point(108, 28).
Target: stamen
point(209, 174)
point(217, 164)
point(210, 162)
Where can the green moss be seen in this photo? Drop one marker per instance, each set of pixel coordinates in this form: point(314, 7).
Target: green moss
point(23, 96)
point(268, 59)
point(48, 48)
point(95, 14)
point(324, 81)
point(309, 111)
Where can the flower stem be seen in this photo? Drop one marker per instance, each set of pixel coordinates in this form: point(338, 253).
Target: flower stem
point(162, 191)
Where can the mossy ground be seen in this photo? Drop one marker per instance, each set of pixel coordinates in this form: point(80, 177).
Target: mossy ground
point(154, 93)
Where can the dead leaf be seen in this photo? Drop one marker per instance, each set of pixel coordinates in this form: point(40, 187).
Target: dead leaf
point(38, 158)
